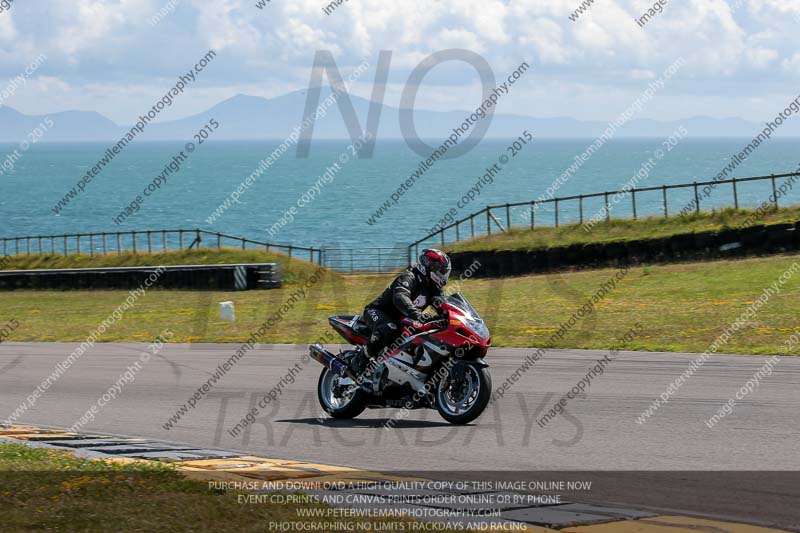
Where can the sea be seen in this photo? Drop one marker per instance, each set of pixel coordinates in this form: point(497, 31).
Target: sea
point(330, 198)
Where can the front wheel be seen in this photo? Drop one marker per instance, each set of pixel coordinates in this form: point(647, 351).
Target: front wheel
point(339, 396)
point(464, 401)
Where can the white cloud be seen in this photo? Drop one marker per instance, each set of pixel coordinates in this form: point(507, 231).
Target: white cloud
point(792, 65)
point(109, 43)
point(638, 74)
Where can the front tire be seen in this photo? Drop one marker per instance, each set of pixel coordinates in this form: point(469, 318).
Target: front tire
point(468, 403)
point(342, 406)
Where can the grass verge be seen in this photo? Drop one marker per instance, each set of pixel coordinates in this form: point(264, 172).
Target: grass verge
point(622, 230)
point(50, 490)
point(682, 307)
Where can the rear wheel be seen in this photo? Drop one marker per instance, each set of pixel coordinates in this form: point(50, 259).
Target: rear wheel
point(339, 397)
point(463, 402)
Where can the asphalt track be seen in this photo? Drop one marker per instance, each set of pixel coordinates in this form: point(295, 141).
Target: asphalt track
point(745, 468)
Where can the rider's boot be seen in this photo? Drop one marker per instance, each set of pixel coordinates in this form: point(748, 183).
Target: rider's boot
point(360, 361)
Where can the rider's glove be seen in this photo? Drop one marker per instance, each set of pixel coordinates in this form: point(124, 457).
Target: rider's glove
point(424, 318)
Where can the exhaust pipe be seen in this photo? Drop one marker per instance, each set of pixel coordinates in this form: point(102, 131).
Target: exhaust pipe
point(330, 361)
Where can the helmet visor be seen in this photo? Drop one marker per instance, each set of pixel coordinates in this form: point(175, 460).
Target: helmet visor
point(440, 274)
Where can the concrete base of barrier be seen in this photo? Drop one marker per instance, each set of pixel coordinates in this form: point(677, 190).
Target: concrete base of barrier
point(194, 277)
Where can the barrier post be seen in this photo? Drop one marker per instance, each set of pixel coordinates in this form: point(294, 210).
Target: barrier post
point(556, 212)
point(774, 192)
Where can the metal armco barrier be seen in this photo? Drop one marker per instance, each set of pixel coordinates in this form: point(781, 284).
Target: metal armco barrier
point(195, 277)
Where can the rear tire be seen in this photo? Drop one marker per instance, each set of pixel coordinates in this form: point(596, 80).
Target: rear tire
point(341, 408)
point(479, 381)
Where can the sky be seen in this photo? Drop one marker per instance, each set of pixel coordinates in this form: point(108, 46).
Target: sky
point(742, 57)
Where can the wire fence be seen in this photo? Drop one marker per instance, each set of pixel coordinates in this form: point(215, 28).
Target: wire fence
point(370, 259)
point(144, 241)
point(588, 209)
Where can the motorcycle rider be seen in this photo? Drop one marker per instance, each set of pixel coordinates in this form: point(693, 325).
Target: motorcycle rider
point(407, 296)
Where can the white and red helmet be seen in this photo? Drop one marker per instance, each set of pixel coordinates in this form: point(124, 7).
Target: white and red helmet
point(435, 266)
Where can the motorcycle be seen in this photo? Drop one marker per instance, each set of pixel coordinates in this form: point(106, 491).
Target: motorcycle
point(437, 364)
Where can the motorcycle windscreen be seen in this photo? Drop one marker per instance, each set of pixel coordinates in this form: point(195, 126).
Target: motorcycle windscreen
point(471, 317)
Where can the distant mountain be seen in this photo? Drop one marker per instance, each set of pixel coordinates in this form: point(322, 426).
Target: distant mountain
point(76, 126)
point(245, 117)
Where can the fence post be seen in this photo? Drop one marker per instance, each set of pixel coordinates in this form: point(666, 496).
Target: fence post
point(40, 246)
point(290, 251)
point(105, 246)
point(79, 244)
point(119, 243)
point(28, 246)
point(133, 239)
point(633, 200)
point(735, 194)
point(532, 209)
point(488, 221)
point(311, 254)
point(458, 235)
point(219, 240)
point(472, 225)
point(149, 246)
point(441, 233)
point(580, 207)
point(164, 238)
point(91, 244)
point(608, 211)
point(774, 191)
point(508, 217)
point(52, 245)
point(696, 199)
point(664, 194)
point(244, 244)
point(556, 212)
point(180, 239)
point(65, 245)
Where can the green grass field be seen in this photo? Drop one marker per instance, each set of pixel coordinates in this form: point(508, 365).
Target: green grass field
point(49, 490)
point(682, 307)
point(621, 230)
